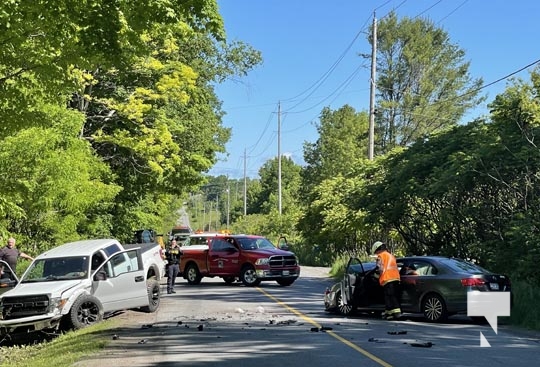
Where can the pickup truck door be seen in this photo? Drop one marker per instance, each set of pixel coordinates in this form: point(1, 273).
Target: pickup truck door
point(8, 279)
point(223, 257)
point(124, 284)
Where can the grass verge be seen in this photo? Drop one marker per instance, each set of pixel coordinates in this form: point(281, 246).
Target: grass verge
point(63, 351)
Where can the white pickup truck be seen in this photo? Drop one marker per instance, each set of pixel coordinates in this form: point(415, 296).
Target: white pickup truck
point(73, 285)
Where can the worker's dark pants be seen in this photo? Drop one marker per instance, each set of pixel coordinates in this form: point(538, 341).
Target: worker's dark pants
point(391, 293)
point(172, 273)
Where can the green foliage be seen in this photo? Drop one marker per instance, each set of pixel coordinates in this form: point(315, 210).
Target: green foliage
point(267, 199)
point(524, 312)
point(54, 182)
point(423, 82)
point(330, 182)
point(342, 141)
point(142, 122)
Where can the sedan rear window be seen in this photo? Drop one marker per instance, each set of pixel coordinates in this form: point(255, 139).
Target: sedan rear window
point(462, 266)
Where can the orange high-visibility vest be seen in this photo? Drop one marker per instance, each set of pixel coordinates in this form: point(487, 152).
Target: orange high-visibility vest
point(388, 268)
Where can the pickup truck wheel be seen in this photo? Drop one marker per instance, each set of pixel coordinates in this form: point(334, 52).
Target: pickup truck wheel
point(154, 296)
point(249, 276)
point(285, 282)
point(193, 276)
point(86, 310)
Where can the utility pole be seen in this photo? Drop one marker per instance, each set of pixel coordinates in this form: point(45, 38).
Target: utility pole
point(245, 184)
point(371, 134)
point(228, 202)
point(279, 157)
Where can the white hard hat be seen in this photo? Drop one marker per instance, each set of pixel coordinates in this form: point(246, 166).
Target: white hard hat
point(375, 246)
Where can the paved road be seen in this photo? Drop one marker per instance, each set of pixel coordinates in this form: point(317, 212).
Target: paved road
point(281, 326)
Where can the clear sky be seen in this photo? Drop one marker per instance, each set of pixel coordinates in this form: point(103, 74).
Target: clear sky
point(311, 59)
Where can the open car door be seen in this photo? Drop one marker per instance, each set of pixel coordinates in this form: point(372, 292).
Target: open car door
point(120, 282)
point(8, 279)
point(354, 269)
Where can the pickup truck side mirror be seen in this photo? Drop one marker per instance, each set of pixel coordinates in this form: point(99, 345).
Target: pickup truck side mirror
point(283, 244)
point(100, 275)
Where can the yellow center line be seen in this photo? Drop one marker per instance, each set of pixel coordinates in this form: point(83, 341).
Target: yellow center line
point(315, 323)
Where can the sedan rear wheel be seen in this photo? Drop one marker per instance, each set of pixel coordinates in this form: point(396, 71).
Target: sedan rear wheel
point(434, 308)
point(344, 308)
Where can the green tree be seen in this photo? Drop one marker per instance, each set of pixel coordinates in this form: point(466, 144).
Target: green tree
point(327, 179)
point(55, 184)
point(423, 82)
point(342, 140)
point(142, 73)
point(268, 198)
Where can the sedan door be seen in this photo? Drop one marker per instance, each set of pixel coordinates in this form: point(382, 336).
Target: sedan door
point(123, 284)
point(416, 279)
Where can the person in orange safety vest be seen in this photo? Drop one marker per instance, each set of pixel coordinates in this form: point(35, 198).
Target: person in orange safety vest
point(389, 279)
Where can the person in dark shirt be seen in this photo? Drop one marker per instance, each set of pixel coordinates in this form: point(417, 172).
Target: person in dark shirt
point(173, 255)
point(10, 254)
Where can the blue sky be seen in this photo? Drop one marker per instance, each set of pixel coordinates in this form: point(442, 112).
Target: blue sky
point(310, 51)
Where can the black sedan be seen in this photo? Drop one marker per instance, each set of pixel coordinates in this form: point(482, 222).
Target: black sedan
point(435, 286)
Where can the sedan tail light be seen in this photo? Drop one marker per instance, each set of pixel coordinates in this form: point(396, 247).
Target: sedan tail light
point(472, 282)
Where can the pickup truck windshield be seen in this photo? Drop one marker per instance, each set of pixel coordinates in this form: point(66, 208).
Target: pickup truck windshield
point(255, 243)
point(62, 268)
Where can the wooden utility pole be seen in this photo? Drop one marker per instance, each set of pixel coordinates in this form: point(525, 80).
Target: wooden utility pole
point(373, 78)
point(279, 157)
point(245, 184)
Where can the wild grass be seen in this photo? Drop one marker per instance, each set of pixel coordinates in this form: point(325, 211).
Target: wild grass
point(62, 351)
point(525, 312)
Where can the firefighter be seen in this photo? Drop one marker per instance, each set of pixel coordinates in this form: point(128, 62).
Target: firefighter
point(389, 279)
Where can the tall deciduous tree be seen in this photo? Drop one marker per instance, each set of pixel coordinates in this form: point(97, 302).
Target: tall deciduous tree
point(423, 82)
point(140, 72)
point(268, 198)
point(342, 140)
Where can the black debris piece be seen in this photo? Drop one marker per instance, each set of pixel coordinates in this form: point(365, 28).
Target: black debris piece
point(422, 344)
point(401, 332)
point(200, 328)
point(314, 329)
point(147, 326)
point(373, 340)
point(325, 328)
point(115, 337)
point(143, 341)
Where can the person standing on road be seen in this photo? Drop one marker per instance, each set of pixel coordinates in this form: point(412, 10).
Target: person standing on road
point(173, 265)
point(389, 279)
point(10, 254)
